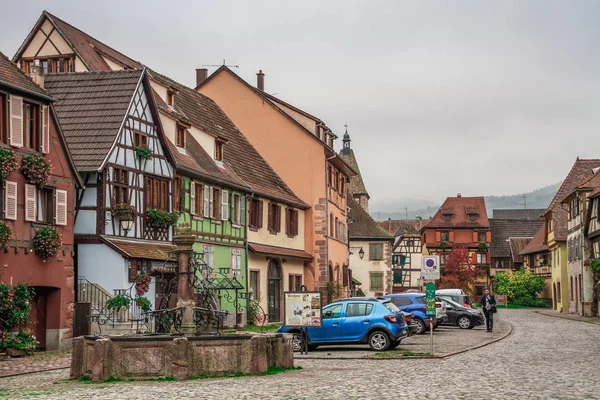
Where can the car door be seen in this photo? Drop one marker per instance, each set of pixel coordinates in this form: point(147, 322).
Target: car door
point(451, 312)
point(357, 319)
point(330, 331)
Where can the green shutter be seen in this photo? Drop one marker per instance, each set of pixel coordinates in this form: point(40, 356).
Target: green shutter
point(242, 210)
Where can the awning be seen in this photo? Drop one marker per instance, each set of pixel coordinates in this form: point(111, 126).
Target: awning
point(279, 251)
point(140, 250)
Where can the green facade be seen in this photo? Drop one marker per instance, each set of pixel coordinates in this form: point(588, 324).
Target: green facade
point(221, 236)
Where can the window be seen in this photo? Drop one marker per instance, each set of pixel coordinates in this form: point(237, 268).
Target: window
point(401, 301)
point(499, 264)
point(3, 124)
point(209, 258)
point(447, 217)
point(120, 186)
point(444, 236)
point(255, 213)
point(331, 226)
point(139, 139)
point(291, 222)
point(180, 136)
point(294, 282)
point(157, 194)
point(218, 151)
point(236, 263)
point(274, 222)
point(479, 291)
point(336, 180)
point(237, 202)
point(332, 311)
point(376, 280)
point(345, 276)
point(358, 309)
point(255, 284)
point(31, 127)
point(170, 98)
point(481, 258)
point(375, 251)
point(444, 258)
point(481, 236)
point(337, 228)
point(50, 65)
point(342, 185)
point(215, 210)
point(44, 205)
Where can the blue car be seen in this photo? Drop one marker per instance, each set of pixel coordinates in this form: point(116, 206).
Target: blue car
point(357, 320)
point(413, 303)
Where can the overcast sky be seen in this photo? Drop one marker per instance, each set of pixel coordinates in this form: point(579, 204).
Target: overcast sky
point(479, 97)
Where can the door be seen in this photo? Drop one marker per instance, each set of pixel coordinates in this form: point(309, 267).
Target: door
point(36, 319)
point(451, 312)
point(358, 317)
point(274, 291)
point(330, 331)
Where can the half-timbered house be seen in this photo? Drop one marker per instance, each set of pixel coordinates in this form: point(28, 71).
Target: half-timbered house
point(107, 118)
point(592, 235)
point(29, 129)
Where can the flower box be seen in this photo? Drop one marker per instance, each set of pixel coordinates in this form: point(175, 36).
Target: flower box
point(15, 353)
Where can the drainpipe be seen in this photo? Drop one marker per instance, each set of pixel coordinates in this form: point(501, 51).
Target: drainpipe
point(246, 219)
point(327, 217)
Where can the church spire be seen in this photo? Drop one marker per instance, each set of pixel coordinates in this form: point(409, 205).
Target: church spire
point(346, 140)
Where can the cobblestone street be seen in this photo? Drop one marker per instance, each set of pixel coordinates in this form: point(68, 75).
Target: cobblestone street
point(543, 358)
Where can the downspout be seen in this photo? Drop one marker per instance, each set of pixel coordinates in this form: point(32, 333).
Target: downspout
point(327, 220)
point(246, 219)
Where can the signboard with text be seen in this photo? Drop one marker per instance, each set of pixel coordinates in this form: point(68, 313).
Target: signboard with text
point(430, 299)
point(302, 309)
point(430, 268)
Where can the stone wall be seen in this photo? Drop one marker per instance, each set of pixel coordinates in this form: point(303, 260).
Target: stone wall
point(178, 357)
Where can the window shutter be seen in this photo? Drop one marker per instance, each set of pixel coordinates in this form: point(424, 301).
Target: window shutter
point(16, 121)
point(488, 258)
point(30, 200)
point(270, 222)
point(60, 197)
point(206, 201)
point(192, 198)
point(451, 237)
point(45, 130)
point(182, 194)
point(474, 259)
point(488, 237)
point(288, 221)
point(278, 218)
point(225, 205)
point(242, 210)
point(475, 237)
point(260, 213)
point(437, 236)
point(294, 222)
point(10, 200)
point(211, 196)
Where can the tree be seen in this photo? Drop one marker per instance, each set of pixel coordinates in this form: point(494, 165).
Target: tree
point(459, 272)
point(521, 284)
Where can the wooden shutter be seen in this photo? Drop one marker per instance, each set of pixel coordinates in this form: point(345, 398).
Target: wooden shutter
point(242, 210)
point(60, 201)
point(488, 237)
point(451, 239)
point(133, 269)
point(294, 222)
point(30, 202)
point(288, 221)
point(437, 236)
point(16, 121)
point(260, 213)
point(278, 218)
point(45, 146)
point(475, 237)
point(488, 258)
point(211, 196)
point(148, 199)
point(474, 259)
point(207, 196)
point(10, 200)
point(192, 198)
point(270, 222)
point(225, 205)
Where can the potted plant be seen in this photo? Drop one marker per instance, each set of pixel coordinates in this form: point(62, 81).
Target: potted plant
point(144, 152)
point(444, 245)
point(142, 284)
point(125, 211)
point(46, 242)
point(118, 303)
point(36, 170)
point(144, 304)
point(5, 235)
point(8, 163)
point(20, 344)
point(482, 246)
point(161, 219)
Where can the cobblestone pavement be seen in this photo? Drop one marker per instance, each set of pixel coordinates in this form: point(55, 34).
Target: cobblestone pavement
point(43, 361)
point(544, 358)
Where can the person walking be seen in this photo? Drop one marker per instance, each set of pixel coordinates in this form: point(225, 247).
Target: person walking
point(488, 304)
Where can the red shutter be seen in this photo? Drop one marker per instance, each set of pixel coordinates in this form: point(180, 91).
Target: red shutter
point(488, 237)
point(488, 258)
point(260, 213)
point(451, 237)
point(133, 269)
point(437, 237)
point(475, 237)
point(474, 259)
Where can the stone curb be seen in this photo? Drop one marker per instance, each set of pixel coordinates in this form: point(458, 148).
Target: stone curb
point(568, 318)
point(33, 372)
point(409, 357)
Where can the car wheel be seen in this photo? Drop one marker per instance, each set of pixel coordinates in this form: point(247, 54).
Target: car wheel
point(379, 341)
point(422, 327)
point(464, 323)
point(297, 342)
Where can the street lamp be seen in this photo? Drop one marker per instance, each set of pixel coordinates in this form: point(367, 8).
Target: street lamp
point(126, 224)
point(361, 252)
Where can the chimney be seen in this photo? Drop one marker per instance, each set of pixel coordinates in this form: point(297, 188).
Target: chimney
point(458, 195)
point(201, 75)
point(37, 73)
point(260, 81)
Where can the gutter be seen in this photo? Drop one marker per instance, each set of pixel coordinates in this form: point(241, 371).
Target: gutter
point(212, 179)
point(27, 91)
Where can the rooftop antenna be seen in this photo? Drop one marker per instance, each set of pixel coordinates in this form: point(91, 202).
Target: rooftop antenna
point(406, 212)
point(524, 203)
point(222, 65)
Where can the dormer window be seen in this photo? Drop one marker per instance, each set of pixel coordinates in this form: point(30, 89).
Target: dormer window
point(170, 98)
point(219, 151)
point(473, 217)
point(180, 137)
point(447, 217)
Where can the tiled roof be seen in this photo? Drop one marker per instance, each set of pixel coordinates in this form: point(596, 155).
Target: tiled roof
point(516, 246)
point(357, 185)
point(533, 213)
point(239, 155)
point(88, 49)
point(504, 229)
point(12, 76)
point(362, 225)
point(592, 184)
point(399, 227)
point(91, 107)
point(537, 244)
point(458, 207)
point(279, 251)
point(143, 250)
point(581, 171)
point(195, 159)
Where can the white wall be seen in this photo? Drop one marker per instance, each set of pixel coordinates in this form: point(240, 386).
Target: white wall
point(361, 268)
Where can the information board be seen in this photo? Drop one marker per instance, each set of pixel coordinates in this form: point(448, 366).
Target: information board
point(302, 309)
point(430, 299)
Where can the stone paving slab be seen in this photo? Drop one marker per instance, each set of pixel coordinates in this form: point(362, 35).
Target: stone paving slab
point(38, 362)
point(574, 317)
point(447, 341)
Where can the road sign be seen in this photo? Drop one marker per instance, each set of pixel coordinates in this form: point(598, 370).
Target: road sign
point(430, 268)
point(430, 299)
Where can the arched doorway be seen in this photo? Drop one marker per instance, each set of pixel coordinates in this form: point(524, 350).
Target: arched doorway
point(274, 291)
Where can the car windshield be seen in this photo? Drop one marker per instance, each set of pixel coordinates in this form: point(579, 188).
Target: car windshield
point(391, 306)
point(421, 300)
point(452, 303)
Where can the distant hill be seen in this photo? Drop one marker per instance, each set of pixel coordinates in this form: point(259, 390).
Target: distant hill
point(539, 198)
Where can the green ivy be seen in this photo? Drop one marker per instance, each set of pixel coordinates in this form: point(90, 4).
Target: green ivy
point(144, 152)
point(595, 264)
point(5, 235)
point(118, 303)
point(161, 219)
